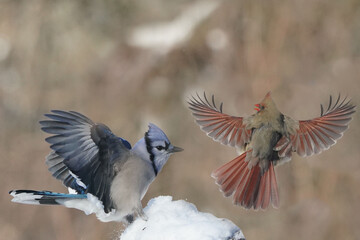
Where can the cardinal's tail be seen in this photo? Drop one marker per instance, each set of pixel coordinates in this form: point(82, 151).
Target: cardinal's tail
point(249, 186)
point(43, 197)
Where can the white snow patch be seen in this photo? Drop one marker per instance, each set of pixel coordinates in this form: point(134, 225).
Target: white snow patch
point(92, 205)
point(172, 220)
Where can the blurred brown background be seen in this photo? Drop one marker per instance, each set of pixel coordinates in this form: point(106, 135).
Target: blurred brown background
point(126, 63)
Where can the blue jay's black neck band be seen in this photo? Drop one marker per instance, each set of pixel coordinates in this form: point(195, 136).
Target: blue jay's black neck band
point(151, 154)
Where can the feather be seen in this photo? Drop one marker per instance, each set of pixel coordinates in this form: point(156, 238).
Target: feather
point(216, 124)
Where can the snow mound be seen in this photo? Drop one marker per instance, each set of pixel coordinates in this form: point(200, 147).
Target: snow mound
point(172, 220)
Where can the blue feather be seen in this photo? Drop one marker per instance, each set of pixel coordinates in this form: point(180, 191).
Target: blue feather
point(126, 143)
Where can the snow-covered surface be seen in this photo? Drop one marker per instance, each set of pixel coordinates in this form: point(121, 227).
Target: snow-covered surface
point(172, 220)
point(92, 205)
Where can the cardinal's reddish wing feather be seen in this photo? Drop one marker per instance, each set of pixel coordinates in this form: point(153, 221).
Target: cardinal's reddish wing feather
point(316, 135)
point(228, 130)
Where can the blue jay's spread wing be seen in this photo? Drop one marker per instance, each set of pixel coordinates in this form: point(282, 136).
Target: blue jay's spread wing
point(61, 172)
point(84, 153)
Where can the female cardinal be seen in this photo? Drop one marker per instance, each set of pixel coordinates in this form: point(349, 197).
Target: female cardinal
point(267, 138)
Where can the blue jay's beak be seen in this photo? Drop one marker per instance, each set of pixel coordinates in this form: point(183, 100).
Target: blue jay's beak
point(174, 149)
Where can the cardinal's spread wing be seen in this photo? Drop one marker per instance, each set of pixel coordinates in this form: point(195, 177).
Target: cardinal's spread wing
point(314, 136)
point(84, 153)
point(228, 130)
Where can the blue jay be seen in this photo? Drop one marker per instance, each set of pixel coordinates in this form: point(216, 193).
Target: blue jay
point(105, 176)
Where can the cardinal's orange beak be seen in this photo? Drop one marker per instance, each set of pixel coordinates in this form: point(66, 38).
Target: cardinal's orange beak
point(257, 107)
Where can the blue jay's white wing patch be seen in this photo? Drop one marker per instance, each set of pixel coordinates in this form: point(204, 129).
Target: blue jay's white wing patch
point(87, 150)
point(77, 180)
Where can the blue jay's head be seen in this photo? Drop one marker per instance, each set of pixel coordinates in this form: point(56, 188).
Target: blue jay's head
point(159, 147)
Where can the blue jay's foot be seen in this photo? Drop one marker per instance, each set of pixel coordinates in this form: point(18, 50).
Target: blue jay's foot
point(129, 219)
point(138, 212)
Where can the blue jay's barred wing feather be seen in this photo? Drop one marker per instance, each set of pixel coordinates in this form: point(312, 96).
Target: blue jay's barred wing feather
point(61, 172)
point(316, 135)
point(226, 129)
point(87, 150)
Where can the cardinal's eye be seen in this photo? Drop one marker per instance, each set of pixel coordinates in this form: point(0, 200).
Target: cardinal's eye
point(160, 148)
point(262, 107)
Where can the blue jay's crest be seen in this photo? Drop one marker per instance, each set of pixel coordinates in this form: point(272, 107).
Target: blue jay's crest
point(155, 134)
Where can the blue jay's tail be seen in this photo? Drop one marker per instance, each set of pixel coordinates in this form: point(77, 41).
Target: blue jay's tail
point(43, 197)
point(87, 203)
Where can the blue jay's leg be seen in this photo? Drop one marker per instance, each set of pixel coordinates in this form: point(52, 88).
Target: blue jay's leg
point(140, 212)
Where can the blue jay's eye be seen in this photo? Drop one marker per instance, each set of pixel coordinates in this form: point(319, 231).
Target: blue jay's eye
point(160, 148)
